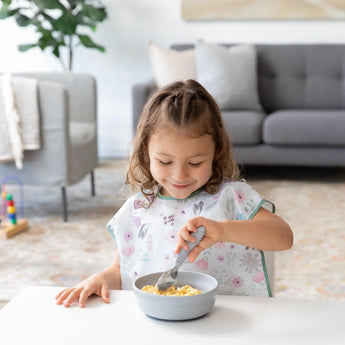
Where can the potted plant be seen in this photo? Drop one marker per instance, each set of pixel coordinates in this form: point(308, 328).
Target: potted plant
point(60, 24)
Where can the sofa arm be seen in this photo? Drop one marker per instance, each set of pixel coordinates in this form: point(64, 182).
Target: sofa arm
point(140, 94)
point(82, 90)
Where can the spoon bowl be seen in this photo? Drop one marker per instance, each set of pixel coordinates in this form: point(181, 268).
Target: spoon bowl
point(168, 278)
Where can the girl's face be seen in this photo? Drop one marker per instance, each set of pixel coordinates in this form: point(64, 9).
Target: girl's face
point(179, 163)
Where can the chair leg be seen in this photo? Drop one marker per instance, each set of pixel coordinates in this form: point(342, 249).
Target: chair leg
point(92, 177)
point(64, 204)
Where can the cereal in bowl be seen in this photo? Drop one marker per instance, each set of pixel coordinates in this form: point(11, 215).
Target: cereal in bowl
point(185, 290)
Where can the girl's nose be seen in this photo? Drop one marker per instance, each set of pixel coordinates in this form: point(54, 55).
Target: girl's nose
point(181, 173)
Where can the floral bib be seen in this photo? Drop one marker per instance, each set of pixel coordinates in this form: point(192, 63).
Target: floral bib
point(146, 238)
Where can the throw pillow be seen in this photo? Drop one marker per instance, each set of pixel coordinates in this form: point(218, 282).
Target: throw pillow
point(229, 74)
point(169, 65)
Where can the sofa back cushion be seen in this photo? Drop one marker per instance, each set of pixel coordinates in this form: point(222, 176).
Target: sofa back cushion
point(301, 76)
point(229, 74)
point(304, 76)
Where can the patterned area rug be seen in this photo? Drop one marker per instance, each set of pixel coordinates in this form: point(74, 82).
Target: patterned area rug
point(52, 252)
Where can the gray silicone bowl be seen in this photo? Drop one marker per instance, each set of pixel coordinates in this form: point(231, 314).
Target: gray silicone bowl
point(177, 307)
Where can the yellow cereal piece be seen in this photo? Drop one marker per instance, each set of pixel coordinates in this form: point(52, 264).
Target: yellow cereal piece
point(185, 290)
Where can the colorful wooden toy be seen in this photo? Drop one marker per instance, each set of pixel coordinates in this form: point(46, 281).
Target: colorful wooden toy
point(10, 225)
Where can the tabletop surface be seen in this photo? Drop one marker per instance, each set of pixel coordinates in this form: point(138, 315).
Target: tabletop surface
point(32, 317)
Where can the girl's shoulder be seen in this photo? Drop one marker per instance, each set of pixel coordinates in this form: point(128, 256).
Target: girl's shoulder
point(132, 203)
point(136, 201)
point(228, 184)
point(238, 190)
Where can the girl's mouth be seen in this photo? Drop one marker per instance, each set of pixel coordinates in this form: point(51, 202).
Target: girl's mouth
point(180, 186)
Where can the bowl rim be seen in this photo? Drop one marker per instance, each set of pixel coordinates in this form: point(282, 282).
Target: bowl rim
point(135, 288)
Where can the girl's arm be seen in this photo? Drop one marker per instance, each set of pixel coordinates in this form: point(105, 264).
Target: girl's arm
point(99, 284)
point(265, 231)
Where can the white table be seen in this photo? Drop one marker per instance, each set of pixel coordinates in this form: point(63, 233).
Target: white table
point(33, 318)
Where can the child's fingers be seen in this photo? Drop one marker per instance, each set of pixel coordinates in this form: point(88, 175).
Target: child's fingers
point(194, 223)
point(203, 244)
point(84, 295)
point(60, 293)
point(105, 293)
point(186, 234)
point(194, 254)
point(63, 295)
point(74, 294)
point(182, 239)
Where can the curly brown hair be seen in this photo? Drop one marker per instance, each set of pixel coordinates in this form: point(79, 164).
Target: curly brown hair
point(185, 105)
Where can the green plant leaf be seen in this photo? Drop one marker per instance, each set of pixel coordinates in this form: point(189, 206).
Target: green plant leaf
point(6, 2)
point(6, 13)
point(82, 20)
point(25, 47)
point(97, 14)
point(56, 48)
point(48, 4)
point(56, 21)
point(46, 39)
point(88, 43)
point(56, 51)
point(66, 23)
point(23, 20)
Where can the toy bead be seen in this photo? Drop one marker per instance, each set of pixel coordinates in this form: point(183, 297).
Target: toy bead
point(9, 197)
point(10, 203)
point(11, 209)
point(11, 216)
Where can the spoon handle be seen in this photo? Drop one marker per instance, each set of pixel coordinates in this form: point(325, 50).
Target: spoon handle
point(184, 253)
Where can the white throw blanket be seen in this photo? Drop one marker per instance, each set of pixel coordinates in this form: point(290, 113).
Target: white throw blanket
point(19, 118)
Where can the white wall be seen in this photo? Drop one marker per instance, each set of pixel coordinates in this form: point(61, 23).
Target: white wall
point(131, 24)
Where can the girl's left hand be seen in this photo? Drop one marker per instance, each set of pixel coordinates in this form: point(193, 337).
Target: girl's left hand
point(213, 233)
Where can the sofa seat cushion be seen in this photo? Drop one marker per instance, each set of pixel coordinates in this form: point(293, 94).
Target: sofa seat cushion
point(305, 127)
point(244, 126)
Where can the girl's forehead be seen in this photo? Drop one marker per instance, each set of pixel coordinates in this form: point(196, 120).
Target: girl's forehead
point(190, 131)
point(174, 141)
point(175, 133)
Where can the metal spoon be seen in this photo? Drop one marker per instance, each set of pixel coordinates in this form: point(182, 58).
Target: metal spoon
point(168, 278)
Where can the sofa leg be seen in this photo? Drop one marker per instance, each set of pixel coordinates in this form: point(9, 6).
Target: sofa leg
point(92, 177)
point(64, 204)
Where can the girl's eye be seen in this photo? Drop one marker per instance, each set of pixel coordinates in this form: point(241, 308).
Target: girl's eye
point(164, 163)
point(195, 164)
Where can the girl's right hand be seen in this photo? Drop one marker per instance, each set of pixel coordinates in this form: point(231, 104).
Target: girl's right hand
point(95, 284)
point(212, 235)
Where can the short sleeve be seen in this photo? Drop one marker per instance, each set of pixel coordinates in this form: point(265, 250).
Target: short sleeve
point(120, 221)
point(246, 201)
point(111, 226)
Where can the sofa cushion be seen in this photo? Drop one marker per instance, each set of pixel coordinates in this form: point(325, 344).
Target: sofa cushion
point(169, 65)
point(229, 74)
point(305, 127)
point(244, 127)
point(301, 76)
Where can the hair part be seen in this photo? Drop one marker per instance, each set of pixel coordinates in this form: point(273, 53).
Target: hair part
point(186, 105)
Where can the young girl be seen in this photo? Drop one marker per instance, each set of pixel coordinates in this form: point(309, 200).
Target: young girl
point(185, 176)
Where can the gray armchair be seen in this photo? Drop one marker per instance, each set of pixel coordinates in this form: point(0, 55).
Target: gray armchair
point(68, 124)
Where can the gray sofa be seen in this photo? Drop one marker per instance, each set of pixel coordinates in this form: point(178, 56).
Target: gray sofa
point(302, 93)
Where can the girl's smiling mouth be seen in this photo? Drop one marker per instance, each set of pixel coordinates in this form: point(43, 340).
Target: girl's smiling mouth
point(180, 186)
